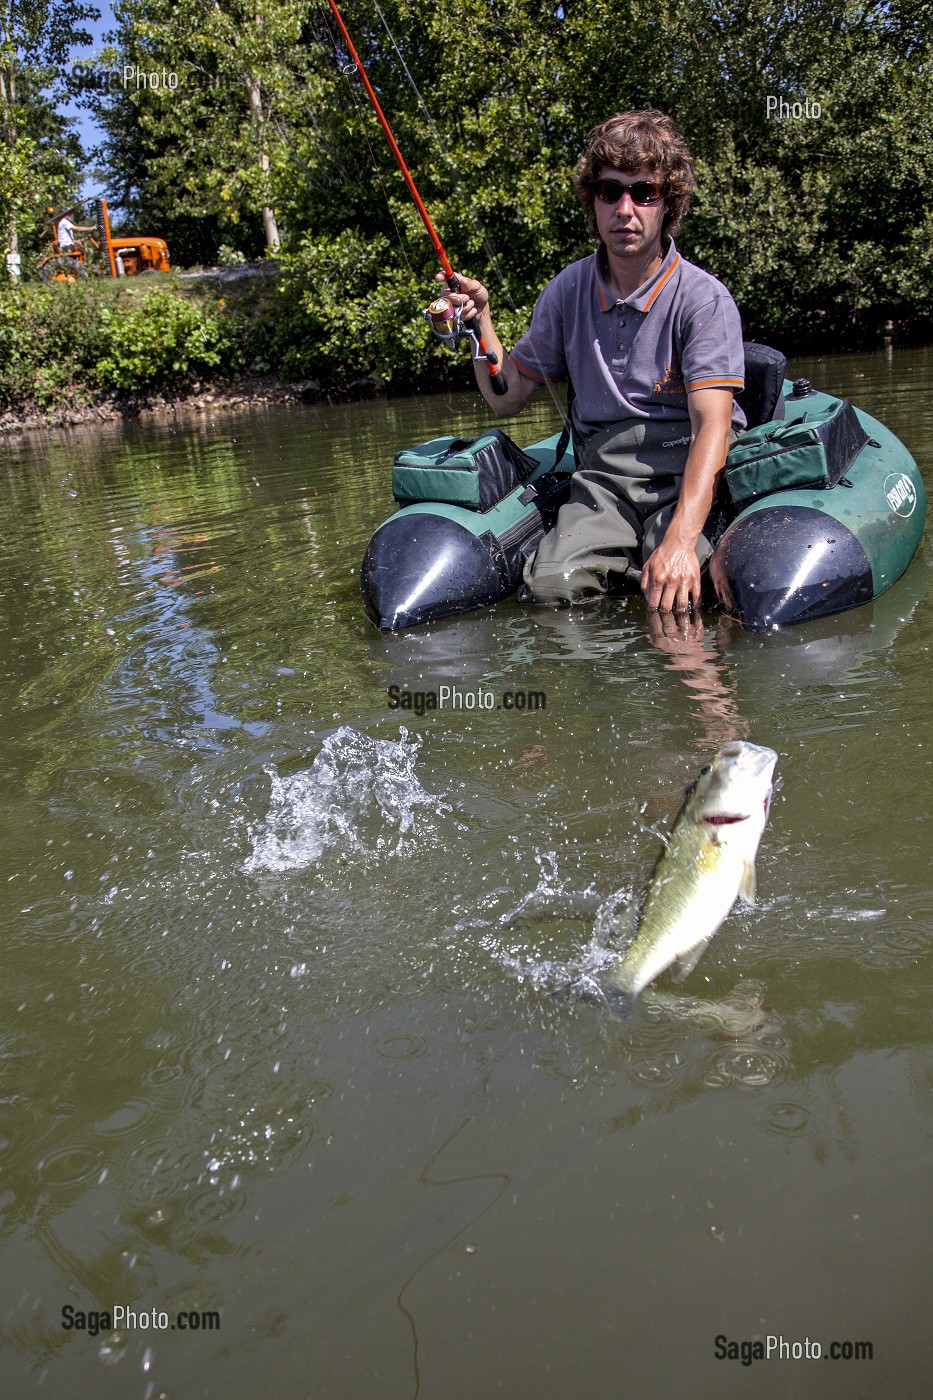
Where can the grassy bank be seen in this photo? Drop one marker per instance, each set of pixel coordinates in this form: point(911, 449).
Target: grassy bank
point(66, 346)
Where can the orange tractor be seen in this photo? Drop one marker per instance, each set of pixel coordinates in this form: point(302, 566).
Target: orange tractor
point(121, 257)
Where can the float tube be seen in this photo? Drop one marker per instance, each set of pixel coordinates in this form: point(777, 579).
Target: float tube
point(788, 556)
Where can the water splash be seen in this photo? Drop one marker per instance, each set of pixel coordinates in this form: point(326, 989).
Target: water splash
point(552, 892)
point(737, 1015)
point(359, 796)
point(554, 898)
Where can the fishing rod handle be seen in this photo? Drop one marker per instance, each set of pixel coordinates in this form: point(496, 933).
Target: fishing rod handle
point(496, 378)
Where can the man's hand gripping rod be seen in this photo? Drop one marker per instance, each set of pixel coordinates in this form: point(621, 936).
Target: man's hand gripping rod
point(458, 326)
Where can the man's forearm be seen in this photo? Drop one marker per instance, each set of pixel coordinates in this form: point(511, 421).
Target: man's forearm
point(519, 389)
point(705, 462)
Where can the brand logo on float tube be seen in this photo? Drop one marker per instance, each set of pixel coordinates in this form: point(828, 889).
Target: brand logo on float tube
point(901, 493)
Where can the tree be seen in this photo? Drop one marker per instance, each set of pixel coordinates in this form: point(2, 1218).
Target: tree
point(39, 156)
point(812, 126)
point(194, 127)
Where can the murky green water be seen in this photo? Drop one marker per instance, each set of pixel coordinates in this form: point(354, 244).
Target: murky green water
point(276, 1024)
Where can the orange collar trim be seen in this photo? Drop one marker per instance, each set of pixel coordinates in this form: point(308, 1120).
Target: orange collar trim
point(661, 283)
point(603, 290)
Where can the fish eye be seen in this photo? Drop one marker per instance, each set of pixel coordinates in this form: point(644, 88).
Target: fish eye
point(707, 769)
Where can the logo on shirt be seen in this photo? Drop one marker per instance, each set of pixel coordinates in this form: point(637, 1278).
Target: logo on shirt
point(673, 381)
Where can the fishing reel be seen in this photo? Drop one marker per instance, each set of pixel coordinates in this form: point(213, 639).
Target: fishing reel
point(446, 320)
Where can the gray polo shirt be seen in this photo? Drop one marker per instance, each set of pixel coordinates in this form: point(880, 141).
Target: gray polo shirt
point(639, 357)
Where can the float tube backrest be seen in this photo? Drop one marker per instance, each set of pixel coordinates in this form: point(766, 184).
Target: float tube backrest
point(764, 378)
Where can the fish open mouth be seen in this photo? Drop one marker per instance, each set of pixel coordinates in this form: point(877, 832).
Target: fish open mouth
point(725, 818)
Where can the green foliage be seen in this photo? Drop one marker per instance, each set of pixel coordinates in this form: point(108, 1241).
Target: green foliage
point(812, 223)
point(192, 154)
point(49, 343)
point(339, 309)
point(349, 306)
point(161, 339)
point(63, 341)
point(41, 33)
point(39, 155)
point(17, 193)
point(820, 227)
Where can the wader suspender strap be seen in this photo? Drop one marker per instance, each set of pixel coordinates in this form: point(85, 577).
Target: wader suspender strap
point(563, 442)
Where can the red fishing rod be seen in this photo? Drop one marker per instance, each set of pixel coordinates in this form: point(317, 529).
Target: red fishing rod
point(443, 315)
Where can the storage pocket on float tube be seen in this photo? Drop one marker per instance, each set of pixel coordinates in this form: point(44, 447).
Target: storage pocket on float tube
point(457, 472)
point(816, 449)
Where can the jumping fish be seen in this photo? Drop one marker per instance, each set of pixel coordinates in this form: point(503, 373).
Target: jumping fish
point(708, 863)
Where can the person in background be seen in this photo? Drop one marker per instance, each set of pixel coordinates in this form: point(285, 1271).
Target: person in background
point(65, 233)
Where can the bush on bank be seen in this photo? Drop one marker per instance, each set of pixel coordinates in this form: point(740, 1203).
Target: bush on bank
point(350, 306)
point(339, 313)
point(66, 343)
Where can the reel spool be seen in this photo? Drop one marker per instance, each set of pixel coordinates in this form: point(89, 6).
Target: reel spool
point(446, 320)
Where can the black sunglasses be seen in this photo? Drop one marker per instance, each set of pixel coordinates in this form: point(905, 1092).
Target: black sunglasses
point(643, 191)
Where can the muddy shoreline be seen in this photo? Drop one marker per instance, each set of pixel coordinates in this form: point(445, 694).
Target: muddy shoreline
point(243, 392)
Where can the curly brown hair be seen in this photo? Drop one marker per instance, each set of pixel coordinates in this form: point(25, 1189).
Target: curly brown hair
point(643, 140)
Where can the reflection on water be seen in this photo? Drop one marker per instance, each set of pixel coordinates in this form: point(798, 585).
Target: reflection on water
point(278, 1025)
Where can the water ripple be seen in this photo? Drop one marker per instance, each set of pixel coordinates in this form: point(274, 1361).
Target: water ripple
point(68, 1167)
point(401, 1047)
point(745, 1065)
point(661, 1069)
point(786, 1119)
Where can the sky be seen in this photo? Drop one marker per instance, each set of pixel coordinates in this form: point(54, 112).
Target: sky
point(91, 134)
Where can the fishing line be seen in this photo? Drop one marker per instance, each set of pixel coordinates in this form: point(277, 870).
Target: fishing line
point(445, 315)
point(451, 165)
point(456, 180)
point(348, 70)
point(303, 165)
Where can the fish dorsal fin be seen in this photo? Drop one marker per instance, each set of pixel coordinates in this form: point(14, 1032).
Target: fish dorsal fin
point(748, 884)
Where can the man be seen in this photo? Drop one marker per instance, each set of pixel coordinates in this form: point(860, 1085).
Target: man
point(652, 346)
point(65, 233)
